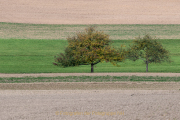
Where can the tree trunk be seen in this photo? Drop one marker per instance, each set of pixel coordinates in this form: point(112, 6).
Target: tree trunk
point(146, 66)
point(92, 69)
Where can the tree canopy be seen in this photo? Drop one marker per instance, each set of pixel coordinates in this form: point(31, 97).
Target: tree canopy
point(149, 50)
point(89, 48)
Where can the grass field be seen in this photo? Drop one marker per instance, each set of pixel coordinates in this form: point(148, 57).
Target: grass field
point(37, 56)
point(30, 48)
point(90, 79)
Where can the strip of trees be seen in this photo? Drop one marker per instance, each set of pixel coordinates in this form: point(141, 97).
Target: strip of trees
point(92, 47)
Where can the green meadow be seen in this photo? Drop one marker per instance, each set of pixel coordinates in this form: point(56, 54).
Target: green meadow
point(90, 79)
point(30, 48)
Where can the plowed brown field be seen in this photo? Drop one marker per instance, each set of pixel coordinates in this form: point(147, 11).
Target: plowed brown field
point(90, 11)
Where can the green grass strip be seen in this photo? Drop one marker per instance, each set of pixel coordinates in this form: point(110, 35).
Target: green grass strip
point(90, 79)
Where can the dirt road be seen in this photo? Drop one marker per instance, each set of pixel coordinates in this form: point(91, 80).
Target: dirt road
point(89, 74)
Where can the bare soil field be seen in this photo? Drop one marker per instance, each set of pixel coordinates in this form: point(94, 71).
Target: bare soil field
point(90, 11)
point(89, 105)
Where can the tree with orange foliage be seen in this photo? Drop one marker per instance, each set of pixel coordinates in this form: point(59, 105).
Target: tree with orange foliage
point(89, 48)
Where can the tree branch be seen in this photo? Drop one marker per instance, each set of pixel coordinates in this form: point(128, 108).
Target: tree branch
point(142, 59)
point(97, 62)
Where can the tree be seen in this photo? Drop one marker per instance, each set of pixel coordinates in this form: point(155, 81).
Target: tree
point(89, 47)
point(148, 50)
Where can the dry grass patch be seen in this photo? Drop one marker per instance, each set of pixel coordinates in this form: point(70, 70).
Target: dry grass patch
point(118, 31)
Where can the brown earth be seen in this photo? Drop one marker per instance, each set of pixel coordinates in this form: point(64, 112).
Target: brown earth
point(91, 86)
point(90, 11)
point(89, 104)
